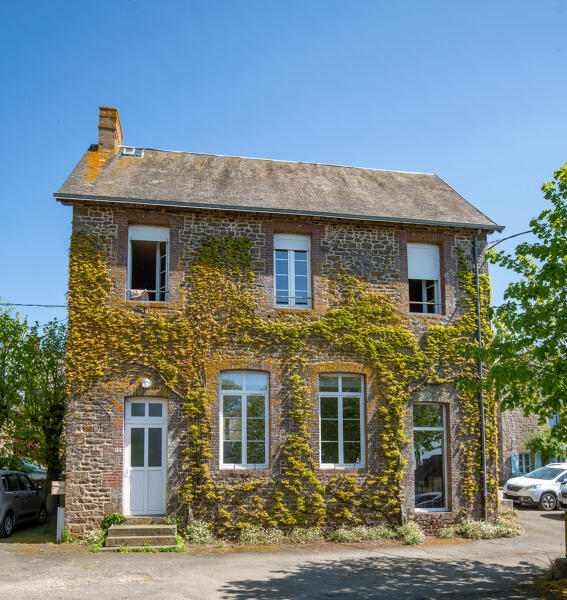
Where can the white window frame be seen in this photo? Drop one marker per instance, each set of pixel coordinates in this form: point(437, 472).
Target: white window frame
point(444, 508)
point(243, 419)
point(150, 233)
point(423, 273)
point(291, 243)
point(340, 395)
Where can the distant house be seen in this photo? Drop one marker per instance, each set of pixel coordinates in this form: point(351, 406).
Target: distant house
point(259, 341)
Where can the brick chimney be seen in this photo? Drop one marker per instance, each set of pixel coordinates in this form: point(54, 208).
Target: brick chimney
point(109, 129)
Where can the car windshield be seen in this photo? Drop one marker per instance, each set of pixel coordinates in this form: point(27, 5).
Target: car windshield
point(545, 473)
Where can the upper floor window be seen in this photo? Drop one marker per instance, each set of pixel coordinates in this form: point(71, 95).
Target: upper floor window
point(424, 279)
point(292, 277)
point(244, 419)
point(341, 421)
point(148, 263)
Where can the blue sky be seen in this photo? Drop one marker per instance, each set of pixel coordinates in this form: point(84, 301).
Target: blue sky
point(475, 92)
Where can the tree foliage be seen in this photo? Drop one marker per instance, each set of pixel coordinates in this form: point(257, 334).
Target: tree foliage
point(32, 388)
point(545, 443)
point(530, 346)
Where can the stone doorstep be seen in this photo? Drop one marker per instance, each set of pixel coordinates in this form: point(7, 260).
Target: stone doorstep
point(141, 536)
point(141, 530)
point(148, 548)
point(139, 541)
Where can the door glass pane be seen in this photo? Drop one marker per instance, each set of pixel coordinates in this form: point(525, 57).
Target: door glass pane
point(329, 430)
point(138, 409)
point(232, 453)
point(232, 428)
point(329, 408)
point(255, 429)
point(351, 431)
point(154, 409)
point(427, 415)
point(429, 488)
point(255, 407)
point(256, 453)
point(352, 452)
point(330, 452)
point(256, 381)
point(328, 383)
point(154, 446)
point(137, 447)
point(25, 483)
point(351, 408)
point(351, 384)
point(231, 381)
point(231, 406)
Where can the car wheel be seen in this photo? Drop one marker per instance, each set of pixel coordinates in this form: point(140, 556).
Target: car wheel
point(42, 515)
point(547, 502)
point(7, 526)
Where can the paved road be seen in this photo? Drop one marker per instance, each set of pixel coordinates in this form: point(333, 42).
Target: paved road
point(466, 570)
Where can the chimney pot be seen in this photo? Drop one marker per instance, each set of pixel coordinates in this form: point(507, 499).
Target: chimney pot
point(109, 129)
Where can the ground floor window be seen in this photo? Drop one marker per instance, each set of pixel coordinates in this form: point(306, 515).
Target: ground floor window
point(244, 420)
point(430, 457)
point(341, 421)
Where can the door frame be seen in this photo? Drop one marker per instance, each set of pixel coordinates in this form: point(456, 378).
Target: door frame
point(144, 422)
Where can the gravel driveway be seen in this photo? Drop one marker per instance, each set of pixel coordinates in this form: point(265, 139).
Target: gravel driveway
point(463, 570)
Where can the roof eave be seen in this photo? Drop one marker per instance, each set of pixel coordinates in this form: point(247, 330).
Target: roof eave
point(63, 197)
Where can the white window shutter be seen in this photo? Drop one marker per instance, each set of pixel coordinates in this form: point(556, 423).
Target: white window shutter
point(149, 233)
point(288, 241)
point(423, 261)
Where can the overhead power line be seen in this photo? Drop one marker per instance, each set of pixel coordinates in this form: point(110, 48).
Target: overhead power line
point(40, 305)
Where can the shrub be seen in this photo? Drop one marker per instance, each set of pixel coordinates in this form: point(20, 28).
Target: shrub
point(253, 535)
point(95, 539)
point(199, 532)
point(299, 535)
point(410, 533)
point(173, 520)
point(112, 519)
point(483, 530)
point(362, 533)
point(15, 463)
point(446, 533)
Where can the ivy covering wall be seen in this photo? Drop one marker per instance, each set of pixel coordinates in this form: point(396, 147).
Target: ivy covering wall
point(222, 317)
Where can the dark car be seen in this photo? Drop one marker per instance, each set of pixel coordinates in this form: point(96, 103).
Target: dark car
point(20, 501)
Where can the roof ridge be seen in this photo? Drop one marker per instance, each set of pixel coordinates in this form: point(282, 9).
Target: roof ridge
point(278, 160)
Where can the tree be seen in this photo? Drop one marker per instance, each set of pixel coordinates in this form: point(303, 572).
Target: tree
point(529, 352)
point(41, 414)
point(12, 334)
point(545, 443)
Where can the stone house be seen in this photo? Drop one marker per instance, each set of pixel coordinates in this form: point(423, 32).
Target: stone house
point(258, 341)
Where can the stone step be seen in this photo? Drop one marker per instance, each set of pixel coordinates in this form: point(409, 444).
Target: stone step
point(141, 530)
point(138, 541)
point(148, 548)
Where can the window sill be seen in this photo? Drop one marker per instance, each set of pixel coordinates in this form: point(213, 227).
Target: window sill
point(431, 510)
point(427, 315)
point(148, 303)
point(241, 470)
point(342, 467)
point(294, 309)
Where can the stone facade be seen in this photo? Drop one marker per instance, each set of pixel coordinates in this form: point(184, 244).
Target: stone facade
point(373, 251)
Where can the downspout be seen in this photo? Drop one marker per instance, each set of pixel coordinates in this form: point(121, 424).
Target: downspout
point(481, 375)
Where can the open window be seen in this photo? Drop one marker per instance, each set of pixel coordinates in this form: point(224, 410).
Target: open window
point(424, 279)
point(292, 275)
point(148, 263)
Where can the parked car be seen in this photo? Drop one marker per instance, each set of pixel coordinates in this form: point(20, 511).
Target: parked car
point(20, 500)
point(538, 488)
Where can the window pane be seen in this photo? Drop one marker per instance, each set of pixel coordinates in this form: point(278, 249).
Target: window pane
point(281, 255)
point(351, 431)
point(255, 429)
point(138, 409)
point(351, 384)
point(352, 452)
point(154, 409)
point(329, 430)
point(415, 295)
point(328, 383)
point(429, 488)
point(233, 428)
point(256, 381)
point(329, 408)
point(154, 446)
point(255, 407)
point(232, 406)
point(137, 447)
point(232, 453)
point(231, 381)
point(301, 267)
point(256, 453)
point(330, 452)
point(282, 285)
point(143, 265)
point(427, 415)
point(351, 408)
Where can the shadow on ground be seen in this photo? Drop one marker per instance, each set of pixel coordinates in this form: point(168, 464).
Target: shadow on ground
point(31, 533)
point(389, 577)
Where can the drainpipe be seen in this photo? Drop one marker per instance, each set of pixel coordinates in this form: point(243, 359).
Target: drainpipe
point(481, 375)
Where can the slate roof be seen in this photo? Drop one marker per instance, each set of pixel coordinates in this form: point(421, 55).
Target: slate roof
point(184, 179)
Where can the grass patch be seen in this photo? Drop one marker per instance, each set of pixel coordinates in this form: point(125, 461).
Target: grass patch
point(32, 533)
point(179, 547)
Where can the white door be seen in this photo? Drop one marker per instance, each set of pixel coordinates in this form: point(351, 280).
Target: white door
point(145, 455)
